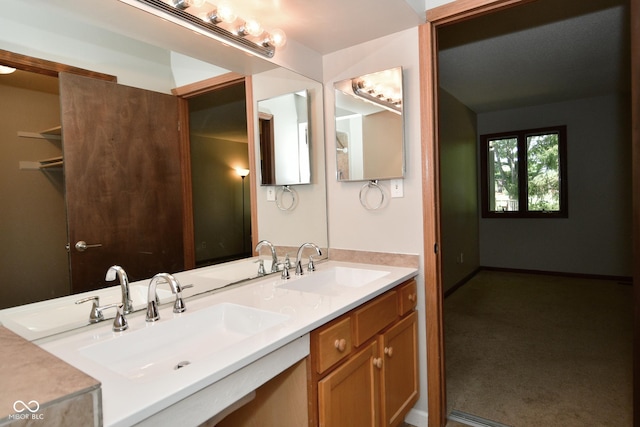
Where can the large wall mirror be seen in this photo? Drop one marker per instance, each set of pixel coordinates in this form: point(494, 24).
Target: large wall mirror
point(369, 127)
point(134, 62)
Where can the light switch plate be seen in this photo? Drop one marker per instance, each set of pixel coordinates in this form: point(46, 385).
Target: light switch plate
point(396, 188)
point(271, 194)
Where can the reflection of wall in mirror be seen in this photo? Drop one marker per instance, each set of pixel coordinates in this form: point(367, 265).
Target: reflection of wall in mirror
point(382, 158)
point(342, 155)
point(217, 191)
point(291, 228)
point(351, 126)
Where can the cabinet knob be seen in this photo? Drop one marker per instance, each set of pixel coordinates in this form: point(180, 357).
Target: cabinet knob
point(412, 297)
point(377, 362)
point(340, 344)
point(388, 351)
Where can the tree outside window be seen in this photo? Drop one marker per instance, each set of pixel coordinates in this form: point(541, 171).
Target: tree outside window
point(524, 173)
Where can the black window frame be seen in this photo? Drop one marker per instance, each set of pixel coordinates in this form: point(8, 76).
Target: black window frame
point(521, 136)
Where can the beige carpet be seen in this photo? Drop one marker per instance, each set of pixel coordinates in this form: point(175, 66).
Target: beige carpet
point(535, 350)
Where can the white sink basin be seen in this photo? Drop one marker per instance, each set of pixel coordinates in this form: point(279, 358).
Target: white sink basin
point(333, 281)
point(161, 347)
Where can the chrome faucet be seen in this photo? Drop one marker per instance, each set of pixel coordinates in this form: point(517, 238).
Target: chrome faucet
point(152, 303)
point(112, 272)
point(274, 256)
point(119, 322)
point(299, 257)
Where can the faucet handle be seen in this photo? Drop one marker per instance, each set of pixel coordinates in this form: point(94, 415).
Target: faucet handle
point(311, 266)
point(95, 315)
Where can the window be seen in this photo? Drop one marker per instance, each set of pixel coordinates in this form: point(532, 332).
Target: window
point(524, 173)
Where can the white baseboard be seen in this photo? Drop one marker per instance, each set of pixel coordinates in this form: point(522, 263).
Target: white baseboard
point(416, 418)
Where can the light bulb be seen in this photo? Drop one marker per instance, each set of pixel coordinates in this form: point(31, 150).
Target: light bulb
point(6, 70)
point(253, 27)
point(242, 172)
point(277, 37)
point(226, 13)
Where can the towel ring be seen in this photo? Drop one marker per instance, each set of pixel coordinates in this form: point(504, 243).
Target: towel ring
point(364, 191)
point(280, 197)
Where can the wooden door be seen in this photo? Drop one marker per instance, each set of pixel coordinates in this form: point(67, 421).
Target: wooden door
point(399, 385)
point(349, 396)
point(122, 180)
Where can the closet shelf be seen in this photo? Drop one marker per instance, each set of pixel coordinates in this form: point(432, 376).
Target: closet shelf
point(53, 133)
point(54, 162)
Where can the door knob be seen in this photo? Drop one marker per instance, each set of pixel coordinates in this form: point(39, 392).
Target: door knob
point(82, 246)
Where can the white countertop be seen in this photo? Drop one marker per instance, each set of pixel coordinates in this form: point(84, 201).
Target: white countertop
point(127, 401)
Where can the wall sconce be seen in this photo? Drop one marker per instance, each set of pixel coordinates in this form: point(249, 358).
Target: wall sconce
point(220, 21)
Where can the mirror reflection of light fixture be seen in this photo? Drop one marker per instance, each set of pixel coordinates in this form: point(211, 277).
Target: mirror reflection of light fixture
point(222, 22)
point(6, 70)
point(380, 89)
point(243, 174)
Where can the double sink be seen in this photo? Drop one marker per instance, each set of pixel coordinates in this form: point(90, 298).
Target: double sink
point(218, 334)
point(176, 343)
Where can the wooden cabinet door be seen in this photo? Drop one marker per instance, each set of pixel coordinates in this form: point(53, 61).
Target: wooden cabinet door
point(399, 385)
point(349, 396)
point(122, 180)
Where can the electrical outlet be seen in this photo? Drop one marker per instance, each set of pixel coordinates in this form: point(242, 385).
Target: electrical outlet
point(396, 188)
point(271, 194)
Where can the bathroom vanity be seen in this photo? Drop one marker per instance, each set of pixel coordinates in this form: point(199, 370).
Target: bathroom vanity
point(331, 327)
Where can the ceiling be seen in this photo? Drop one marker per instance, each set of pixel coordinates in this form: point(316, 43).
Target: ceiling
point(330, 25)
point(543, 52)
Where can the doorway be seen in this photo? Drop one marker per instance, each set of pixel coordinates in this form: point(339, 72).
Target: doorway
point(437, 18)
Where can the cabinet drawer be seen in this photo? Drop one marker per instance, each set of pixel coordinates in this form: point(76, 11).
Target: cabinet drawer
point(334, 344)
point(374, 316)
point(407, 297)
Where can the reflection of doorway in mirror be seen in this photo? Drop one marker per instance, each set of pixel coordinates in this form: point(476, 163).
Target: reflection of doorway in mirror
point(221, 199)
point(342, 155)
point(33, 216)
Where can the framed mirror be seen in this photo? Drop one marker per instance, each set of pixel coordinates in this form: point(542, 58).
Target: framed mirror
point(369, 127)
point(284, 139)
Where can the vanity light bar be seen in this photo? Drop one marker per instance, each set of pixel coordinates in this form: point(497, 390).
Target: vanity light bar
point(262, 48)
point(360, 89)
